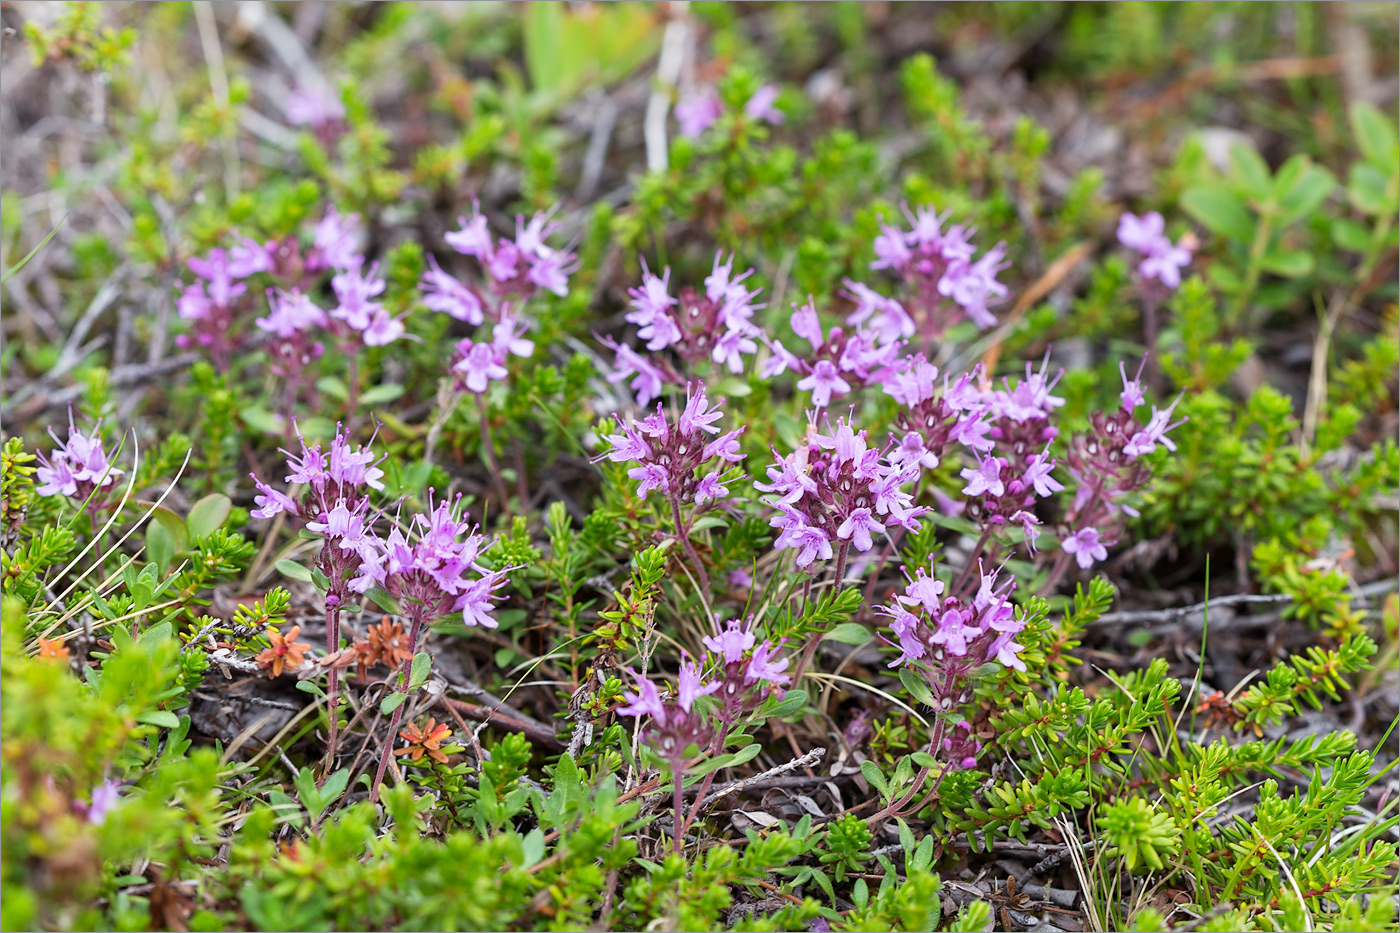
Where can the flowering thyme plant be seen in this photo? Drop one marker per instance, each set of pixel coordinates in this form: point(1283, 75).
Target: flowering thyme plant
point(534, 466)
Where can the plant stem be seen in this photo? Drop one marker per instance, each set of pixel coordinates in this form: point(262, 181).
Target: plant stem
point(683, 533)
point(332, 686)
point(488, 447)
point(677, 775)
point(352, 398)
point(813, 642)
point(895, 808)
point(972, 556)
point(715, 749)
point(414, 628)
point(447, 404)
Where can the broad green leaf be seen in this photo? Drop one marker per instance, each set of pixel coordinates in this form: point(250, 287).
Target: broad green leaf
point(261, 420)
point(418, 673)
point(1376, 137)
point(160, 546)
point(1348, 234)
point(1312, 186)
point(208, 515)
point(916, 686)
point(1251, 173)
point(380, 394)
point(391, 702)
point(872, 774)
point(293, 571)
point(1290, 264)
point(1371, 191)
point(792, 702)
point(849, 633)
point(384, 600)
point(333, 386)
point(159, 717)
point(1218, 210)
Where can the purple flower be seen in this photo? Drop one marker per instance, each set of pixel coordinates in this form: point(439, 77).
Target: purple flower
point(336, 240)
point(104, 800)
point(648, 379)
point(1084, 544)
point(857, 529)
point(760, 105)
point(383, 329)
point(698, 113)
point(269, 501)
point(1162, 260)
point(76, 467)
point(316, 107)
point(985, 479)
point(888, 320)
point(824, 381)
point(474, 239)
point(761, 667)
point(645, 702)
point(973, 285)
point(731, 643)
point(1038, 476)
point(355, 290)
point(690, 687)
point(1146, 440)
point(1132, 394)
point(291, 313)
point(248, 258)
point(477, 364)
point(446, 294)
point(892, 249)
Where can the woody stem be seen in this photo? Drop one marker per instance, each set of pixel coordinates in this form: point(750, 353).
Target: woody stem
point(683, 533)
point(414, 628)
point(332, 686)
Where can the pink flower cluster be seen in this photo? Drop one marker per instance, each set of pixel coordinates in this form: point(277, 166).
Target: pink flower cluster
point(836, 358)
point(475, 364)
point(744, 672)
point(1162, 260)
point(1105, 462)
point(933, 417)
point(76, 468)
point(836, 490)
point(944, 282)
point(947, 638)
point(716, 325)
point(671, 453)
point(698, 112)
point(429, 568)
point(515, 267)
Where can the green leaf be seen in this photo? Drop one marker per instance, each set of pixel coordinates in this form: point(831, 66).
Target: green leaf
point(915, 685)
point(333, 386)
point(1298, 197)
point(849, 633)
point(418, 673)
point(384, 600)
point(792, 702)
point(872, 774)
point(1290, 264)
point(159, 717)
point(1370, 190)
point(1216, 208)
point(311, 687)
point(1348, 234)
point(208, 515)
point(160, 546)
point(261, 420)
point(293, 571)
point(380, 394)
point(1251, 173)
point(1375, 136)
point(391, 702)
